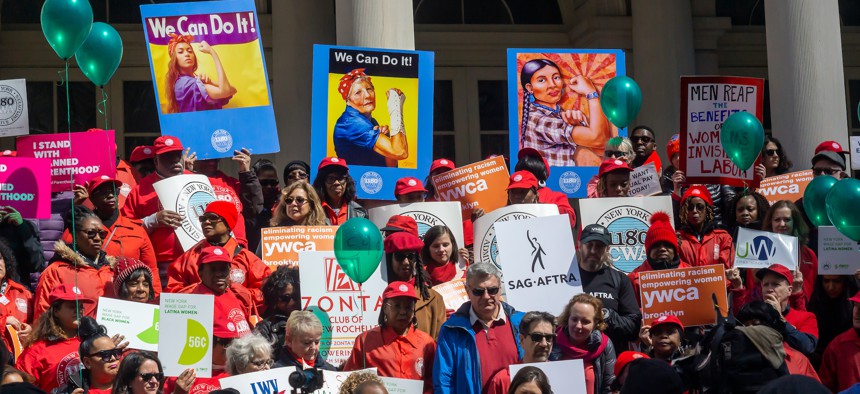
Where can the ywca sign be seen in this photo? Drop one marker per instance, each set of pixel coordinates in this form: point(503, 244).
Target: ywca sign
point(760, 249)
point(270, 381)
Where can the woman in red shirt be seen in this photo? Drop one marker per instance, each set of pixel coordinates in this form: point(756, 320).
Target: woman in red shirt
point(702, 243)
point(14, 297)
point(99, 356)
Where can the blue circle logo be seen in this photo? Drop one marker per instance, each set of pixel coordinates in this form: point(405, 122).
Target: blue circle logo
point(569, 182)
point(221, 140)
point(371, 182)
point(627, 233)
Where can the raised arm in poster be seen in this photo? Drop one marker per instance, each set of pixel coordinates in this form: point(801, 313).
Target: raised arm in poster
point(380, 146)
point(210, 77)
point(73, 159)
point(706, 102)
point(554, 107)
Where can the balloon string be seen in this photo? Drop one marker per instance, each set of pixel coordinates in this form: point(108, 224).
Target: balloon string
point(361, 310)
point(102, 106)
point(72, 185)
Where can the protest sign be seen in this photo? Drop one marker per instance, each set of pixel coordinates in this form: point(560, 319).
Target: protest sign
point(837, 254)
point(426, 215)
point(281, 245)
point(405, 386)
point(645, 181)
point(15, 338)
point(220, 101)
point(573, 149)
point(380, 146)
point(14, 119)
point(25, 185)
point(188, 195)
point(706, 102)
point(546, 262)
point(684, 293)
point(566, 376)
point(628, 220)
point(137, 321)
point(760, 249)
point(486, 248)
point(270, 381)
point(478, 185)
point(785, 187)
point(73, 157)
point(855, 152)
point(350, 308)
point(453, 292)
point(185, 333)
point(333, 380)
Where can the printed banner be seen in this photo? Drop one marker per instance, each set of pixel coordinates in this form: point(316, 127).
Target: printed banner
point(566, 376)
point(628, 220)
point(760, 249)
point(684, 293)
point(486, 249)
point(380, 146)
point(855, 152)
point(645, 181)
point(281, 245)
point(706, 102)
point(333, 380)
point(478, 185)
point(25, 185)
point(552, 107)
point(210, 77)
point(188, 195)
point(837, 254)
point(270, 381)
point(546, 262)
point(453, 292)
point(191, 315)
point(426, 215)
point(785, 187)
point(73, 159)
point(403, 386)
point(14, 119)
point(348, 309)
point(137, 321)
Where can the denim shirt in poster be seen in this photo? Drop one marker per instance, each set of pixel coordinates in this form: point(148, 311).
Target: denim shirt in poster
point(354, 138)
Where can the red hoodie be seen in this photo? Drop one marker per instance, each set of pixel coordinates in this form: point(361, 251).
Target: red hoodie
point(18, 301)
point(50, 362)
point(716, 247)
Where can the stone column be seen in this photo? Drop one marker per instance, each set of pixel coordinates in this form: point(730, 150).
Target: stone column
point(807, 83)
point(375, 23)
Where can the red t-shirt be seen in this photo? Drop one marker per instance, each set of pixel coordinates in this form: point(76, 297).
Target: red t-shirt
point(227, 306)
point(496, 348)
point(51, 363)
point(142, 202)
point(201, 385)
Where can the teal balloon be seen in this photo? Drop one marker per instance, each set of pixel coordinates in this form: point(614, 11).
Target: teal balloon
point(621, 100)
point(815, 199)
point(358, 248)
point(742, 137)
point(100, 54)
point(66, 24)
point(842, 207)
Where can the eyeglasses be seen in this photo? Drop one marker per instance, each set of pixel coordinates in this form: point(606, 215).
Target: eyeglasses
point(92, 233)
point(537, 337)
point(297, 176)
point(695, 207)
point(107, 355)
point(643, 139)
point(270, 182)
point(286, 297)
point(261, 363)
point(404, 256)
point(828, 171)
point(332, 178)
point(148, 376)
point(478, 292)
point(212, 218)
point(771, 152)
point(615, 153)
point(298, 200)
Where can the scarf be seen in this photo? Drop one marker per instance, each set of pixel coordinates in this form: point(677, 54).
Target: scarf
point(441, 273)
point(592, 349)
point(665, 265)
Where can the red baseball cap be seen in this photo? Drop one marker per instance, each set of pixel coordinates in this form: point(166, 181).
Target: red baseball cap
point(610, 165)
point(442, 163)
point(9, 153)
point(856, 297)
point(698, 191)
point(403, 242)
point(666, 319)
point(533, 152)
point(829, 146)
point(777, 269)
point(408, 185)
point(399, 289)
point(165, 144)
point(523, 180)
point(141, 153)
point(67, 292)
point(332, 161)
point(401, 223)
point(214, 254)
point(626, 358)
point(94, 183)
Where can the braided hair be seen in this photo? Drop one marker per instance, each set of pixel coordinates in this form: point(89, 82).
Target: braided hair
point(422, 281)
point(528, 70)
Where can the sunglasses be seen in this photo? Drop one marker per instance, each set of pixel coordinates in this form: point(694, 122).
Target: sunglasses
point(695, 207)
point(297, 176)
point(210, 218)
point(92, 233)
point(771, 152)
point(286, 297)
point(537, 337)
point(828, 171)
point(148, 376)
point(404, 256)
point(615, 153)
point(107, 355)
point(298, 200)
point(331, 179)
point(643, 139)
point(478, 292)
point(270, 182)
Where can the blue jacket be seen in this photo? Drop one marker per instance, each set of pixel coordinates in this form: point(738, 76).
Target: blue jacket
point(457, 368)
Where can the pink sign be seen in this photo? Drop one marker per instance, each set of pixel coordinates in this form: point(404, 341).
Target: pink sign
point(73, 161)
point(25, 186)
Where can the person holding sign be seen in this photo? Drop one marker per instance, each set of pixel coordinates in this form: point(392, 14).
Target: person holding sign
point(409, 189)
point(336, 189)
point(396, 342)
point(522, 188)
point(784, 217)
point(437, 167)
point(187, 91)
point(644, 144)
point(613, 178)
point(661, 250)
point(531, 160)
point(403, 263)
point(281, 297)
point(224, 333)
point(616, 148)
point(580, 337)
point(662, 340)
point(702, 243)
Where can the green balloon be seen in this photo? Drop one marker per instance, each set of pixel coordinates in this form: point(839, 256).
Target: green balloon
point(325, 340)
point(621, 100)
point(358, 248)
point(66, 24)
point(742, 137)
point(815, 200)
point(100, 54)
point(842, 207)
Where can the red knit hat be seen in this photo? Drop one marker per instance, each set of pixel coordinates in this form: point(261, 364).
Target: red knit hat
point(403, 242)
point(123, 269)
point(660, 231)
point(698, 191)
point(225, 210)
point(673, 146)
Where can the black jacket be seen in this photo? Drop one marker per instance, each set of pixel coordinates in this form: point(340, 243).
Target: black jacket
point(622, 314)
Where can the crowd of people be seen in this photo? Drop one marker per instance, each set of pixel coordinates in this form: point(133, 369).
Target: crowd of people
point(111, 238)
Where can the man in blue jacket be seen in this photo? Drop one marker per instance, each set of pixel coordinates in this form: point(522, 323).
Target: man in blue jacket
point(478, 340)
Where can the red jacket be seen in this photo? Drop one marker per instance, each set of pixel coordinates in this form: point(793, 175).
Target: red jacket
point(809, 268)
point(645, 266)
point(142, 202)
point(247, 269)
point(18, 301)
point(69, 267)
point(798, 364)
point(129, 177)
point(803, 321)
point(235, 303)
point(548, 196)
point(227, 189)
point(50, 362)
point(840, 365)
point(716, 247)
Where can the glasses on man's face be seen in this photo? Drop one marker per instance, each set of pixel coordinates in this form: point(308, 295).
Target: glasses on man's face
point(695, 207)
point(211, 218)
point(148, 376)
point(771, 152)
point(93, 233)
point(825, 171)
point(298, 200)
point(537, 337)
point(263, 363)
point(297, 176)
point(641, 138)
point(479, 292)
point(332, 178)
point(615, 153)
point(403, 256)
point(107, 355)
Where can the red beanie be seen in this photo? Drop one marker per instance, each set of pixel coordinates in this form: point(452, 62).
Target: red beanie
point(123, 269)
point(673, 147)
point(660, 231)
point(225, 210)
